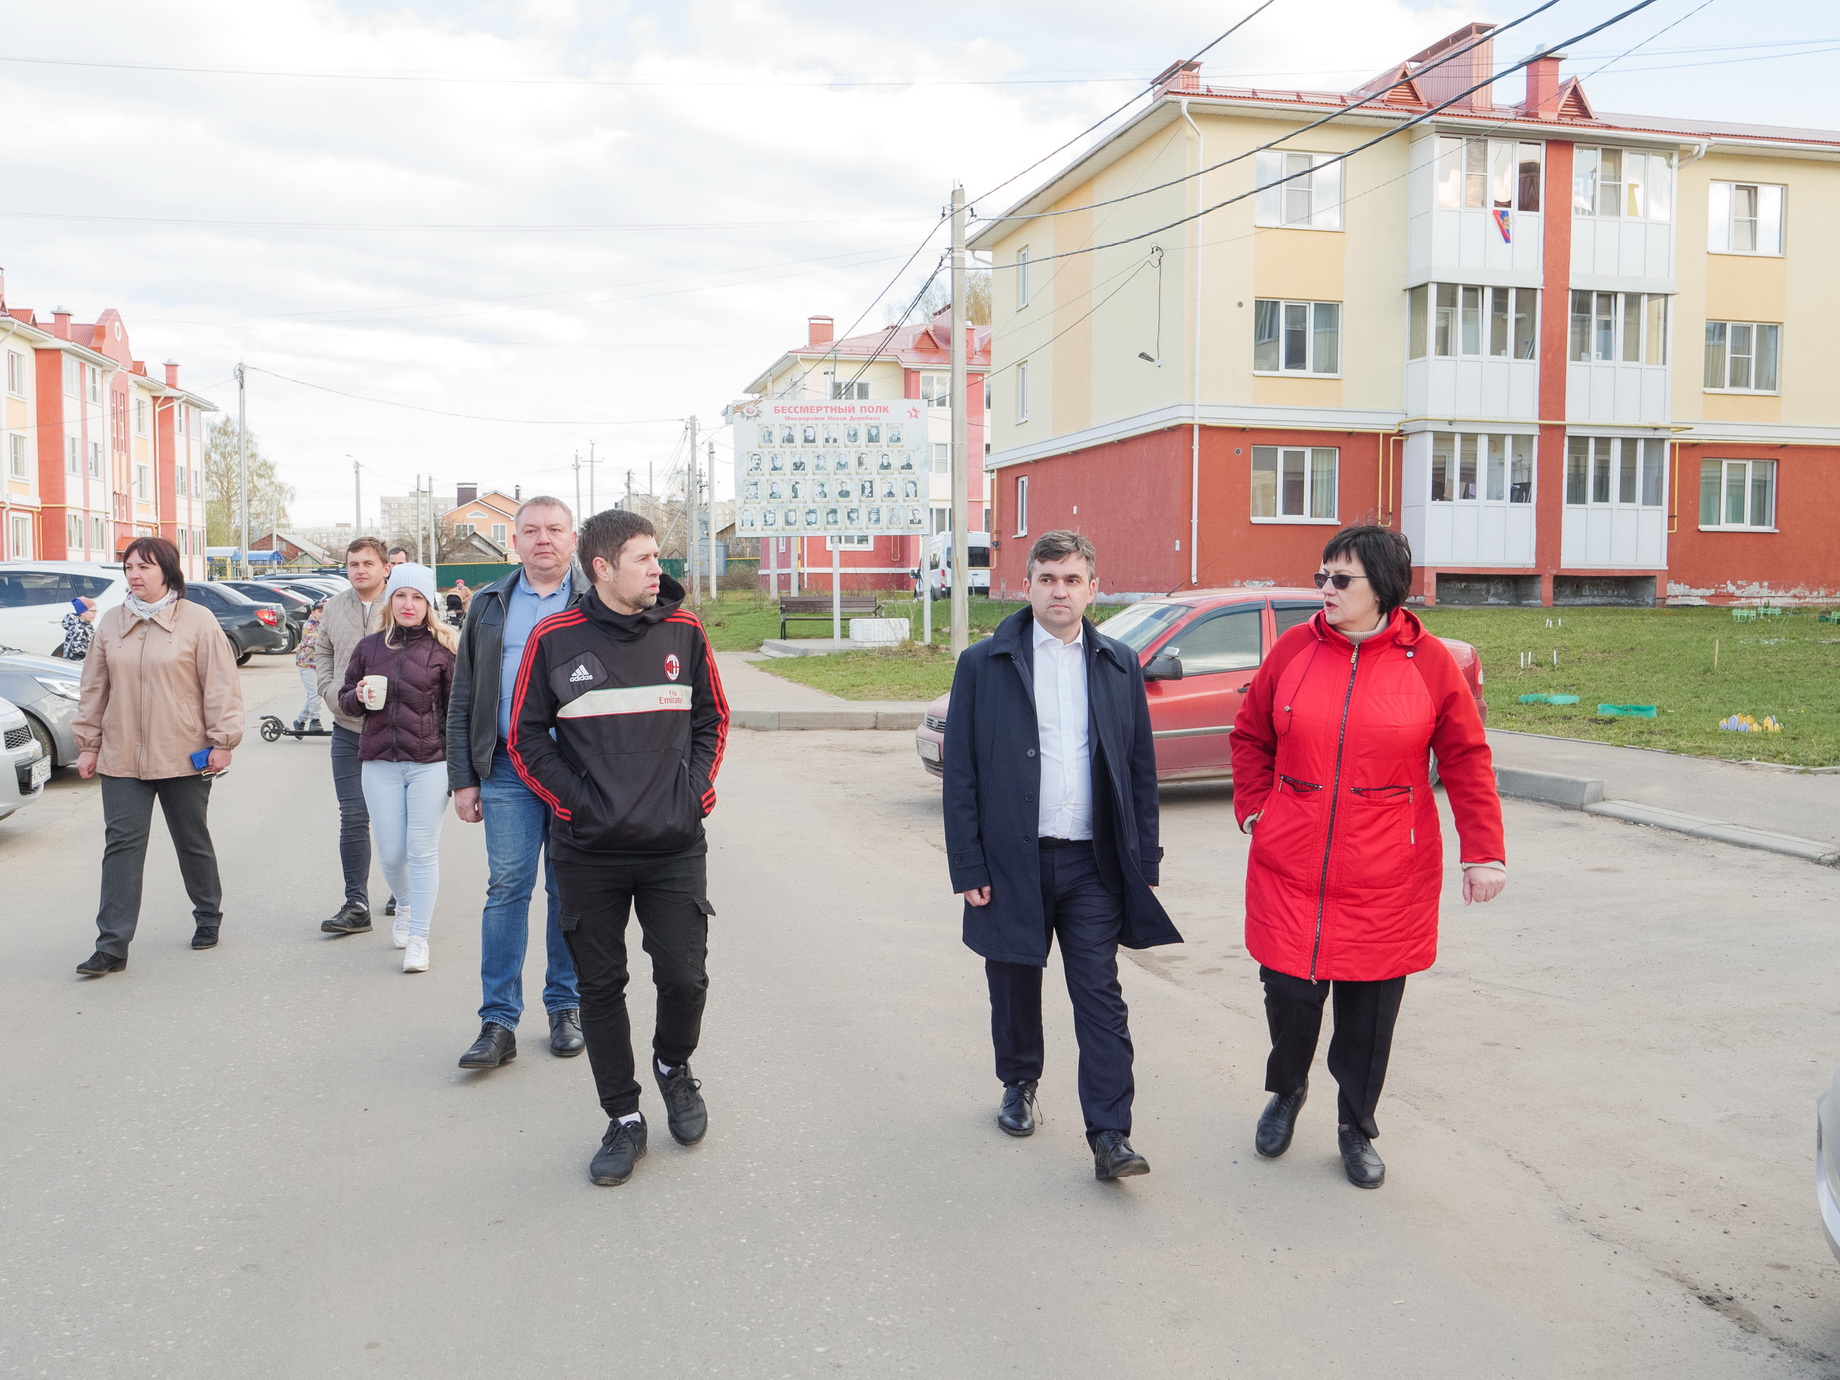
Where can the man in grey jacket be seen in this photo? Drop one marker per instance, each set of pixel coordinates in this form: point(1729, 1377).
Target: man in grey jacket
point(348, 617)
point(488, 789)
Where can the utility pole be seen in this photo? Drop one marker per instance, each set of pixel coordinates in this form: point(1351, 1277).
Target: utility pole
point(418, 518)
point(357, 494)
point(242, 465)
point(579, 515)
point(690, 515)
point(629, 491)
point(961, 421)
point(712, 519)
point(590, 476)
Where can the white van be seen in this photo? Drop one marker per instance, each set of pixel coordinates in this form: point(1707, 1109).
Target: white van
point(35, 596)
point(939, 564)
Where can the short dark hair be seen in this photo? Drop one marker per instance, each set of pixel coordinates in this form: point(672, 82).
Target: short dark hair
point(1386, 557)
point(605, 535)
point(1058, 546)
point(158, 551)
point(393, 550)
point(368, 544)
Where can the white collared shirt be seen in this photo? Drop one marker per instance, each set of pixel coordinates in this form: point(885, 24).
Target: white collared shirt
point(1065, 802)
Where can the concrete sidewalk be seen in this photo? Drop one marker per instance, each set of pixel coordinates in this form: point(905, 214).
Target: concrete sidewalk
point(762, 701)
point(1773, 808)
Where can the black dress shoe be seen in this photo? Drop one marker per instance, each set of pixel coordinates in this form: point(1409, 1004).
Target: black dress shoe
point(565, 1040)
point(1278, 1121)
point(1016, 1117)
point(621, 1148)
point(1365, 1167)
point(684, 1111)
point(99, 963)
point(496, 1045)
point(204, 937)
point(353, 918)
point(389, 906)
point(1113, 1157)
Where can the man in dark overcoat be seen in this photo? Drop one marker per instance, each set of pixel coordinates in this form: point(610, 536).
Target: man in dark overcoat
point(1051, 831)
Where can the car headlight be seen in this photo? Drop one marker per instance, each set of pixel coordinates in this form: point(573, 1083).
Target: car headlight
point(69, 689)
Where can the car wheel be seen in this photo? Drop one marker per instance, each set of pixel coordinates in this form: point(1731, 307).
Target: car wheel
point(45, 744)
point(242, 658)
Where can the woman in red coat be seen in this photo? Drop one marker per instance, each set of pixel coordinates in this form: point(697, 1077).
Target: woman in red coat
point(1331, 757)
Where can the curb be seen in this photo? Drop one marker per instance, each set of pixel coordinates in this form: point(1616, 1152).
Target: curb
point(1549, 788)
point(772, 720)
point(1788, 845)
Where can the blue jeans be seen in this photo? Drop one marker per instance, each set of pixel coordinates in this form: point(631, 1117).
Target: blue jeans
point(517, 831)
point(407, 802)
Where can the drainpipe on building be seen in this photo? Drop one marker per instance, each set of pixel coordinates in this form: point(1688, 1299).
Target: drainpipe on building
point(1194, 453)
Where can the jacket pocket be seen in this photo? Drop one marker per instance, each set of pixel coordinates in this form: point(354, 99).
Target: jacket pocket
point(637, 802)
point(1380, 831)
point(1287, 838)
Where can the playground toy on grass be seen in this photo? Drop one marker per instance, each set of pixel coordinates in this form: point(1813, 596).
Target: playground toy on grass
point(1626, 711)
point(1549, 699)
point(1744, 723)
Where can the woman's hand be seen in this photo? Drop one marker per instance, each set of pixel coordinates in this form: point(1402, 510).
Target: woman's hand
point(86, 765)
point(219, 761)
point(1483, 883)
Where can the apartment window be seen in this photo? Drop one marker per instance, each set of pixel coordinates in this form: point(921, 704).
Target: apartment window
point(1299, 190)
point(1022, 505)
point(1744, 218)
point(1468, 468)
point(942, 458)
point(1612, 326)
point(98, 534)
point(95, 385)
point(20, 547)
point(1616, 471)
point(73, 378)
point(853, 392)
point(1295, 483)
point(1499, 174)
point(500, 533)
point(1737, 495)
point(71, 463)
point(1022, 276)
point(16, 457)
point(140, 416)
point(1022, 391)
point(179, 480)
point(95, 459)
point(16, 375)
point(1458, 319)
point(936, 390)
point(179, 418)
point(141, 483)
point(1622, 183)
point(73, 532)
point(1741, 356)
point(1296, 337)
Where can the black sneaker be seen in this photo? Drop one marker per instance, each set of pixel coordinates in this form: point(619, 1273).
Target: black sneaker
point(684, 1111)
point(204, 937)
point(389, 906)
point(353, 918)
point(621, 1148)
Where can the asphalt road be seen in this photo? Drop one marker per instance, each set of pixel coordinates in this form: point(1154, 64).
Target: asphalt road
point(261, 1160)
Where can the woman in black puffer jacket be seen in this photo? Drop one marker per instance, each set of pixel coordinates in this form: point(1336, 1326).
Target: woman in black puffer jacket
point(398, 682)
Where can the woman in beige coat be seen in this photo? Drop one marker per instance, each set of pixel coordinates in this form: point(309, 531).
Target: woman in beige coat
point(159, 685)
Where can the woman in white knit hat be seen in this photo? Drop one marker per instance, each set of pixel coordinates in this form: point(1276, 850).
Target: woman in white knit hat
point(398, 682)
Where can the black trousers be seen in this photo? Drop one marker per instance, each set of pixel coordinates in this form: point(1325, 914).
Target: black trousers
point(1365, 1013)
point(597, 898)
point(127, 818)
point(1086, 917)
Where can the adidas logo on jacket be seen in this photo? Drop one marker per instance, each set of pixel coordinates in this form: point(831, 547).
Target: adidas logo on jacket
point(639, 723)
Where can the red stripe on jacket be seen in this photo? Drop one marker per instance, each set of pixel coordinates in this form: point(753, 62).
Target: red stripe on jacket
point(568, 618)
point(715, 686)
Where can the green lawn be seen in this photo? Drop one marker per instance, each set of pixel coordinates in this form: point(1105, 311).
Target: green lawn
point(1787, 666)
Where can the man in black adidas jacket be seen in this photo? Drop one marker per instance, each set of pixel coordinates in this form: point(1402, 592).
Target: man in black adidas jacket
point(618, 723)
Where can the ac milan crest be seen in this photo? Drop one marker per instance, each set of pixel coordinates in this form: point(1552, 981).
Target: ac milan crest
point(672, 667)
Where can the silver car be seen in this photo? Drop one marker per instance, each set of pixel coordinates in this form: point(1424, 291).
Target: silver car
point(23, 766)
point(1827, 1163)
point(45, 689)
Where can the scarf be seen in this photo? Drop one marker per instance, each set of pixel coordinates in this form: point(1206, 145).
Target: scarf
point(144, 611)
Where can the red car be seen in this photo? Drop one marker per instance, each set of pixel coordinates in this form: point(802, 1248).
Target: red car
point(1198, 651)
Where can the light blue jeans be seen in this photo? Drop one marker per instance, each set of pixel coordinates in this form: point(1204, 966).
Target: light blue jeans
point(407, 802)
point(517, 834)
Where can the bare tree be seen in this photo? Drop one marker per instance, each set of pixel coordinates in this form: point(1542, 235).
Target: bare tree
point(937, 297)
point(268, 495)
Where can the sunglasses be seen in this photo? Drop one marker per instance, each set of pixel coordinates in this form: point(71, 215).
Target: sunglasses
point(1340, 579)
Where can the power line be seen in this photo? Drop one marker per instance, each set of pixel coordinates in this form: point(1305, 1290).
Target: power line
point(467, 416)
point(373, 227)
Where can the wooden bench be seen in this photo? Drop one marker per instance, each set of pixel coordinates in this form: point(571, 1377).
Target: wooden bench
point(816, 608)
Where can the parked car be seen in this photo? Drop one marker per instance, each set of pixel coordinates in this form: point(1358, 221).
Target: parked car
point(251, 627)
point(1827, 1163)
point(319, 586)
point(1199, 651)
point(35, 596)
point(24, 768)
point(44, 689)
point(297, 601)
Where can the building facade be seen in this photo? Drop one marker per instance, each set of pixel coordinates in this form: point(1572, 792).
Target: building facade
point(1574, 356)
point(97, 451)
point(900, 362)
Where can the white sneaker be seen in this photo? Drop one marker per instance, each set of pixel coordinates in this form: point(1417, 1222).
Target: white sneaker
point(399, 931)
point(415, 959)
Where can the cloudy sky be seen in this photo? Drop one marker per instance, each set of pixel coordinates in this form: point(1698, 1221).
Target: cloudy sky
point(586, 220)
